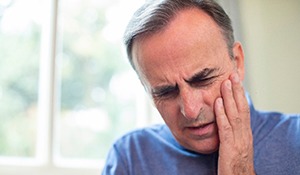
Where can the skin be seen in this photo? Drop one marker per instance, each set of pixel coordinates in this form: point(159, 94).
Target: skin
point(197, 88)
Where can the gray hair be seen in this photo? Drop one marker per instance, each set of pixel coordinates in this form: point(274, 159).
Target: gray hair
point(154, 15)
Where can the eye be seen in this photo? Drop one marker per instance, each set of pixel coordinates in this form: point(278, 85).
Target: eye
point(165, 93)
point(203, 82)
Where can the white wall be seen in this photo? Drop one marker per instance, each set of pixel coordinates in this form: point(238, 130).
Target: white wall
point(271, 38)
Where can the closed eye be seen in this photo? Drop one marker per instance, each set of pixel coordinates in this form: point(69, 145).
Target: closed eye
point(165, 92)
point(203, 78)
point(202, 82)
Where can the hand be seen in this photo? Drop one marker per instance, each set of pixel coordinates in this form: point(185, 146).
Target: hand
point(233, 120)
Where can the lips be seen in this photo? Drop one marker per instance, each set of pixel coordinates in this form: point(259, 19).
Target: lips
point(201, 131)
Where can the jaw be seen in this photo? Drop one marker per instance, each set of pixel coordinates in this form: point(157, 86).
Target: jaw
point(205, 145)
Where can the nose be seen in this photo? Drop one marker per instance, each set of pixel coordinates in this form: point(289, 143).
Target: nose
point(190, 103)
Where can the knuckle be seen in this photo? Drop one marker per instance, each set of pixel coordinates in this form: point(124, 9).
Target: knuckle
point(245, 109)
point(237, 120)
point(227, 128)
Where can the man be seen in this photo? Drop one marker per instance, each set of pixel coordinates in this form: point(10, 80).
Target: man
point(186, 58)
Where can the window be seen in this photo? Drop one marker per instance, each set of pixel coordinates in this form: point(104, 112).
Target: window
point(96, 100)
point(20, 36)
point(67, 90)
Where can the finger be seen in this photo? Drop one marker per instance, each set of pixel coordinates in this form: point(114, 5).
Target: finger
point(239, 130)
point(240, 98)
point(224, 127)
point(230, 104)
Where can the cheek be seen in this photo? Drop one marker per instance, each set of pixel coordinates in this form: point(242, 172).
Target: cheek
point(211, 94)
point(169, 111)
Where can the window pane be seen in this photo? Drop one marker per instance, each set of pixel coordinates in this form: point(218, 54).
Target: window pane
point(19, 69)
point(97, 102)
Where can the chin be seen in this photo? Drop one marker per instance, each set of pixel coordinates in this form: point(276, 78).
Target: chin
point(207, 146)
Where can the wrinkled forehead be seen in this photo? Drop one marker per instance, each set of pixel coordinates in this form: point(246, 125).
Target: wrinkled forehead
point(192, 34)
point(190, 26)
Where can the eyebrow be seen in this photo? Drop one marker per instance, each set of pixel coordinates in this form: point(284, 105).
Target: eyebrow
point(163, 89)
point(202, 75)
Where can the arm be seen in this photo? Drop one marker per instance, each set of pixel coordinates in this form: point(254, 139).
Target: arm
point(233, 119)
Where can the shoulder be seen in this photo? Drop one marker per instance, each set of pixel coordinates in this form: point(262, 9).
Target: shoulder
point(277, 143)
point(272, 122)
point(135, 150)
point(129, 152)
point(272, 126)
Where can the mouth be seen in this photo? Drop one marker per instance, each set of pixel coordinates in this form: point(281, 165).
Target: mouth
point(201, 131)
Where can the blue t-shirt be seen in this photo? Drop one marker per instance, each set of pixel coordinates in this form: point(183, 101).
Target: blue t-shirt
point(154, 151)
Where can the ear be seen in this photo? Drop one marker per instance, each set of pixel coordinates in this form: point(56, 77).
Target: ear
point(238, 54)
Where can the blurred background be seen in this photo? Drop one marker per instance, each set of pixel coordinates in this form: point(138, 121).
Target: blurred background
point(67, 91)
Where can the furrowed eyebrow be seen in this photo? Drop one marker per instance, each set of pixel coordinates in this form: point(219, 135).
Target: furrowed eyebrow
point(202, 75)
point(163, 89)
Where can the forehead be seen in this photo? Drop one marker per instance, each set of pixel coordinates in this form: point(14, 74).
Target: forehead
point(192, 36)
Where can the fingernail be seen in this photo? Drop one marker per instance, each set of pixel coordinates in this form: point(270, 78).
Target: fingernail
point(235, 78)
point(228, 84)
point(220, 101)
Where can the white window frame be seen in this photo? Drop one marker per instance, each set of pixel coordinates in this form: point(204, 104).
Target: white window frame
point(45, 163)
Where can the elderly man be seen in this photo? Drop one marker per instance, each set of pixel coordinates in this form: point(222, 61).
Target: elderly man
point(186, 58)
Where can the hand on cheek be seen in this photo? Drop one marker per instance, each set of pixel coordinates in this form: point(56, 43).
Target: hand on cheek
point(233, 120)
